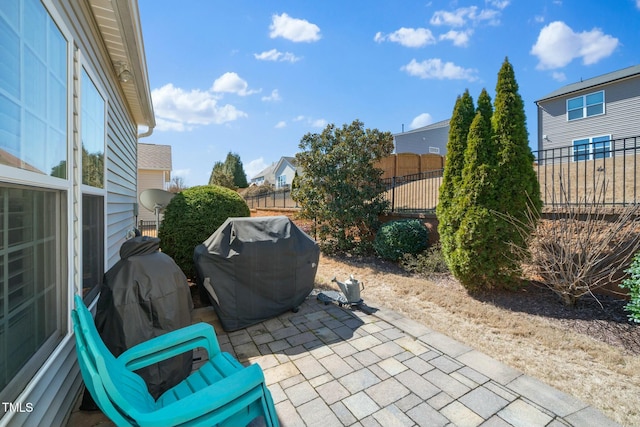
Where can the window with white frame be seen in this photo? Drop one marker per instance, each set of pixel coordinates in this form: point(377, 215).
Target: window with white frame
point(34, 96)
point(597, 147)
point(434, 150)
point(585, 106)
point(93, 194)
point(282, 181)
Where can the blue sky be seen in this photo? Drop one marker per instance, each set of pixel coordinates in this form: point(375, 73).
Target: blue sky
point(253, 77)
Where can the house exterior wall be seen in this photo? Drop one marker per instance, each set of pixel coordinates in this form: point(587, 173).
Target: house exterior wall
point(286, 171)
point(52, 387)
point(425, 140)
point(149, 179)
point(621, 118)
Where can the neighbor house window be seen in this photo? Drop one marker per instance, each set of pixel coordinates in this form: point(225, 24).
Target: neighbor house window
point(34, 101)
point(434, 150)
point(585, 106)
point(282, 181)
point(597, 147)
point(93, 146)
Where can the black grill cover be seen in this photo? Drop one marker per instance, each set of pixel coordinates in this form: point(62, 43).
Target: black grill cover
point(145, 294)
point(254, 269)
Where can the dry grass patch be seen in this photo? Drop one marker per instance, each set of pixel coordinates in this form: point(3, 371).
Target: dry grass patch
point(587, 351)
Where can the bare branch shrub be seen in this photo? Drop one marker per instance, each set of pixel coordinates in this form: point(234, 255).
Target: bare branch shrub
point(581, 247)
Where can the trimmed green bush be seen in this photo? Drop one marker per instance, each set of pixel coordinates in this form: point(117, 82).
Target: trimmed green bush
point(397, 238)
point(192, 216)
point(633, 284)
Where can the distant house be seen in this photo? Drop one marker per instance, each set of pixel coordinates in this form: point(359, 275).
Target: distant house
point(154, 171)
point(587, 116)
point(279, 175)
point(74, 91)
point(431, 139)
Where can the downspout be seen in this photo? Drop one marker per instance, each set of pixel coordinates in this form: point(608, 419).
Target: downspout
point(147, 133)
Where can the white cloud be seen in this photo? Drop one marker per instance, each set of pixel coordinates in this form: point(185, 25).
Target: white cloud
point(184, 173)
point(464, 15)
point(459, 38)
point(408, 37)
point(421, 120)
point(254, 167)
point(180, 110)
point(500, 4)
point(232, 83)
point(558, 45)
point(275, 96)
point(436, 69)
point(558, 76)
point(319, 123)
point(293, 29)
point(316, 123)
point(281, 124)
point(276, 56)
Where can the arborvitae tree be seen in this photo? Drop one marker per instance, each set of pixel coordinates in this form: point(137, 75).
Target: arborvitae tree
point(473, 260)
point(519, 189)
point(447, 212)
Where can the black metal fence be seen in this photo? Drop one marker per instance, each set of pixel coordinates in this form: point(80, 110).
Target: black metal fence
point(273, 199)
point(594, 170)
point(147, 228)
point(414, 193)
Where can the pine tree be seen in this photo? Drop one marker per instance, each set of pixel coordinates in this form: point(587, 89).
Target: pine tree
point(519, 189)
point(229, 174)
point(447, 212)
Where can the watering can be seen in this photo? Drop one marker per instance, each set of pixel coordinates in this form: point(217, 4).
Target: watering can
point(351, 289)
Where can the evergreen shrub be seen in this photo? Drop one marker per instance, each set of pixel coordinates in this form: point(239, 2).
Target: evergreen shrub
point(192, 216)
point(632, 283)
point(397, 238)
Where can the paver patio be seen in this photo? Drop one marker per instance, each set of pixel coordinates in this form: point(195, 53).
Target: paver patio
point(330, 366)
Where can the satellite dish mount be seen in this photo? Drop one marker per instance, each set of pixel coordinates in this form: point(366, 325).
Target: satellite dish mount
point(155, 200)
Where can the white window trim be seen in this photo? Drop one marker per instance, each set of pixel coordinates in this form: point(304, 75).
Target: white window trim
point(584, 106)
point(84, 65)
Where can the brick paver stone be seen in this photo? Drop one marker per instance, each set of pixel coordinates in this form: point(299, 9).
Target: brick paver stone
point(360, 405)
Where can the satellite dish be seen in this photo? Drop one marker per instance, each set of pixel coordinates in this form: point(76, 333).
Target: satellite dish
point(155, 200)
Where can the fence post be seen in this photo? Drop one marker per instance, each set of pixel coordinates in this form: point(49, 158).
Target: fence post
point(393, 193)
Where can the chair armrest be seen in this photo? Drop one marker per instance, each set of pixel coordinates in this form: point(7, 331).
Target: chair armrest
point(171, 344)
point(207, 399)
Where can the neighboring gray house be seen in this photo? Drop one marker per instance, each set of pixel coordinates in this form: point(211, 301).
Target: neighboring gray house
point(154, 171)
point(587, 116)
point(279, 175)
point(431, 139)
point(74, 90)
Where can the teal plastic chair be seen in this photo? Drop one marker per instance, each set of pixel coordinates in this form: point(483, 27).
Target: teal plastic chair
point(221, 393)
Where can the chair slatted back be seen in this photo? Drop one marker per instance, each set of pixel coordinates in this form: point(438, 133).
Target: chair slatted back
point(126, 390)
